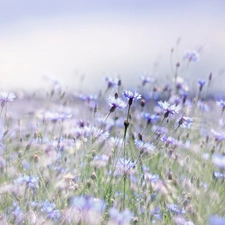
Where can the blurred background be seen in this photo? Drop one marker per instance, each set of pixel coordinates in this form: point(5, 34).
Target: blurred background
point(89, 39)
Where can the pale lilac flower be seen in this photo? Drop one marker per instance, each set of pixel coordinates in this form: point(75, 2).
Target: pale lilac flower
point(175, 209)
point(121, 218)
point(96, 133)
point(6, 97)
point(221, 103)
point(192, 56)
point(146, 79)
point(168, 108)
point(112, 82)
point(131, 96)
point(150, 118)
point(185, 122)
point(116, 103)
point(218, 136)
point(54, 116)
point(30, 181)
point(17, 213)
point(124, 166)
point(219, 160)
point(144, 147)
point(49, 208)
point(169, 140)
point(216, 220)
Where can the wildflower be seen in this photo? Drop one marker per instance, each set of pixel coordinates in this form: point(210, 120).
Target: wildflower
point(221, 103)
point(30, 181)
point(218, 175)
point(201, 83)
point(219, 160)
point(218, 136)
point(116, 103)
point(49, 208)
point(6, 97)
point(96, 133)
point(146, 80)
point(121, 218)
point(168, 108)
point(17, 213)
point(191, 56)
point(124, 166)
point(54, 116)
point(131, 96)
point(185, 122)
point(112, 82)
point(169, 140)
point(144, 147)
point(175, 209)
point(150, 118)
point(216, 220)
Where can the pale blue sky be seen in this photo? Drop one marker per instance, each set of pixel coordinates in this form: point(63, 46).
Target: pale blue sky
point(64, 39)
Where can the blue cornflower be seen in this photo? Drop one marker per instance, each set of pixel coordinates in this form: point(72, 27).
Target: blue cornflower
point(185, 122)
point(17, 213)
point(169, 140)
point(192, 56)
point(121, 218)
point(96, 133)
point(144, 147)
point(175, 209)
point(86, 203)
point(6, 97)
point(131, 96)
point(150, 118)
point(218, 175)
point(112, 82)
point(146, 80)
point(30, 181)
point(218, 136)
point(221, 103)
point(201, 83)
point(116, 103)
point(216, 220)
point(168, 108)
point(49, 208)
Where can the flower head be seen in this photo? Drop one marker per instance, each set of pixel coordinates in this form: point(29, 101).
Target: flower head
point(49, 208)
point(6, 97)
point(30, 181)
point(221, 103)
point(123, 217)
point(185, 122)
point(192, 56)
point(168, 108)
point(116, 103)
point(131, 96)
point(201, 83)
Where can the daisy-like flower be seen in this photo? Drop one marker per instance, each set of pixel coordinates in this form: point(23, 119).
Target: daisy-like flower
point(6, 97)
point(131, 96)
point(30, 181)
point(221, 103)
point(49, 208)
point(192, 56)
point(185, 122)
point(168, 108)
point(144, 147)
point(116, 103)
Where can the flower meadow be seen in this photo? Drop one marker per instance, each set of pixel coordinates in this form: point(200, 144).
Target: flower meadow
point(153, 154)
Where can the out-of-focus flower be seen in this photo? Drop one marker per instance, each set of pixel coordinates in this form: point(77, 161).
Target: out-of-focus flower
point(175, 209)
point(168, 108)
point(116, 103)
point(150, 118)
point(218, 136)
point(191, 56)
point(124, 166)
point(49, 208)
point(216, 220)
point(54, 116)
point(121, 218)
point(221, 103)
point(17, 213)
point(169, 140)
point(219, 160)
point(185, 122)
point(146, 79)
point(30, 181)
point(96, 133)
point(131, 96)
point(201, 84)
point(112, 82)
point(6, 97)
point(144, 147)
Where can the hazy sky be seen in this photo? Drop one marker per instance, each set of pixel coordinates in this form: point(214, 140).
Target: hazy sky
point(66, 39)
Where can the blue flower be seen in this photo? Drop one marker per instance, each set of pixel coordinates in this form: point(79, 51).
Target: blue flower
point(116, 103)
point(30, 181)
point(216, 220)
point(131, 96)
point(121, 218)
point(112, 82)
point(175, 209)
point(185, 122)
point(150, 118)
point(169, 140)
point(144, 147)
point(218, 136)
point(192, 56)
point(221, 103)
point(49, 208)
point(201, 83)
point(146, 80)
point(168, 108)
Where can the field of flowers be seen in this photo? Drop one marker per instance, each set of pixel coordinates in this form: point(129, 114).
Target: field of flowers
point(152, 155)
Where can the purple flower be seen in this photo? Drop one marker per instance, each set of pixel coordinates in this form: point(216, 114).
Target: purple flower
point(201, 83)
point(185, 122)
point(175, 209)
point(168, 108)
point(131, 96)
point(49, 208)
point(169, 140)
point(216, 220)
point(191, 56)
point(150, 118)
point(121, 218)
point(96, 133)
point(218, 136)
point(6, 97)
point(116, 103)
point(30, 181)
point(112, 82)
point(219, 160)
point(221, 103)
point(144, 147)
